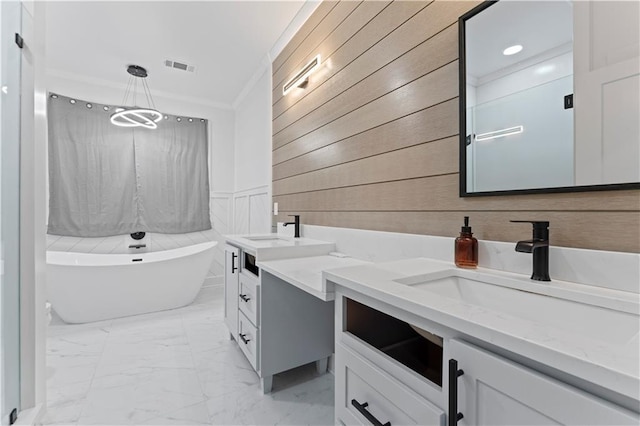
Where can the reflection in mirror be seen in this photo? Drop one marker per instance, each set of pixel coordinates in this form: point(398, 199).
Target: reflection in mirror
point(517, 97)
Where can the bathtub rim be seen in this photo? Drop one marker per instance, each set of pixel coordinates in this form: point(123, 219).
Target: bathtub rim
point(75, 259)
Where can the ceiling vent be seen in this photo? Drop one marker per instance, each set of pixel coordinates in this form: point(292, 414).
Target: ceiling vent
point(179, 65)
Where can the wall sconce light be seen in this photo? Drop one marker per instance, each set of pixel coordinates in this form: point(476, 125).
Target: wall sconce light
point(301, 79)
point(499, 133)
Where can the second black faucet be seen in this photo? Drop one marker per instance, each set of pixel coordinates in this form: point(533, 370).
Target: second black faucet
point(539, 247)
point(296, 222)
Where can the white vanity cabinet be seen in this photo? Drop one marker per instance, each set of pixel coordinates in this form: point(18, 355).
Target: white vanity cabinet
point(366, 394)
point(385, 373)
point(390, 373)
point(248, 325)
point(495, 391)
point(231, 282)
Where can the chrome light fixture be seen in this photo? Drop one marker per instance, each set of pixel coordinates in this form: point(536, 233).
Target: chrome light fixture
point(302, 77)
point(136, 116)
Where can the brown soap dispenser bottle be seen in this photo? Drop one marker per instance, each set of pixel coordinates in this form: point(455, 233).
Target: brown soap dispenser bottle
point(466, 247)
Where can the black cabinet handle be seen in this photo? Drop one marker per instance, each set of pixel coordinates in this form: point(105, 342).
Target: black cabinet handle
point(244, 338)
point(233, 262)
point(244, 297)
point(362, 408)
point(454, 373)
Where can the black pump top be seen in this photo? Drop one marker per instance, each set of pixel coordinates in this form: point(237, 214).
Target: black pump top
point(466, 229)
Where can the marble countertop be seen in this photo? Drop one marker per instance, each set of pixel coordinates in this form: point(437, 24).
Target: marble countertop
point(601, 353)
point(274, 246)
point(306, 272)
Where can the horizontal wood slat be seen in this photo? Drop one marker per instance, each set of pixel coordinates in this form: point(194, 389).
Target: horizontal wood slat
point(314, 20)
point(372, 142)
point(436, 122)
point(439, 193)
point(435, 87)
point(380, 26)
point(566, 228)
point(433, 158)
point(425, 58)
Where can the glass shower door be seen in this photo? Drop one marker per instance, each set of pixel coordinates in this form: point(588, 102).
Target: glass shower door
point(10, 17)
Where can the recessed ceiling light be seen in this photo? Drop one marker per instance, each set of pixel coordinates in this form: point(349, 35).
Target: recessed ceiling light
point(106, 108)
point(72, 101)
point(89, 106)
point(191, 120)
point(512, 50)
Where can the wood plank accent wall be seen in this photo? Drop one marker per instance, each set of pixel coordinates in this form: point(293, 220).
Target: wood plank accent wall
point(372, 141)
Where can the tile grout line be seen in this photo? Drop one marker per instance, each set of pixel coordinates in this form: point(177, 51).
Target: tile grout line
point(195, 368)
point(93, 376)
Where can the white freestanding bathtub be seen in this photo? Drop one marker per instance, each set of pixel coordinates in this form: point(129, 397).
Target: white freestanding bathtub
point(85, 287)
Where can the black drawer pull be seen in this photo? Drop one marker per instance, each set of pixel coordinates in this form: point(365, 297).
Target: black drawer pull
point(362, 408)
point(244, 338)
point(454, 373)
point(233, 262)
point(244, 297)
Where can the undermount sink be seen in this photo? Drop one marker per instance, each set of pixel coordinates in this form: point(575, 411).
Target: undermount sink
point(590, 321)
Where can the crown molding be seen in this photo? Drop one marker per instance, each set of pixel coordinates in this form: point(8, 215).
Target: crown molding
point(122, 87)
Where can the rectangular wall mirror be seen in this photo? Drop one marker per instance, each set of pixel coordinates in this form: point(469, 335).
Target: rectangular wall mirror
point(549, 97)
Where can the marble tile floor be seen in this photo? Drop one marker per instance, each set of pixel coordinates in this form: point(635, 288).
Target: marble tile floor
point(175, 367)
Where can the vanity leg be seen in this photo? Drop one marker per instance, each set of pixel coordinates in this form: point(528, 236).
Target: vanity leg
point(266, 383)
point(321, 365)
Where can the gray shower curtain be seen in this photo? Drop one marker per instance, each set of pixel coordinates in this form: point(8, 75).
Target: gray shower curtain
point(106, 180)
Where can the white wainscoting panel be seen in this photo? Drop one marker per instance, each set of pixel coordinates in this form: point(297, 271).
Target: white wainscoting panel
point(259, 213)
point(241, 214)
point(221, 223)
point(252, 211)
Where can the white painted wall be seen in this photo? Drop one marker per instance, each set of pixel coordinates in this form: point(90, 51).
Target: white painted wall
point(252, 195)
point(253, 133)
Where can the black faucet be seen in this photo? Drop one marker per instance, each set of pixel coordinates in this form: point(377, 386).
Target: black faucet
point(296, 222)
point(539, 247)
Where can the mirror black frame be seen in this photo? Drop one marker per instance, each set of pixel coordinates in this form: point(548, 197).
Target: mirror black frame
point(463, 130)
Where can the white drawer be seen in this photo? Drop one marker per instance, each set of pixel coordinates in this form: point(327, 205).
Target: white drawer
point(248, 298)
point(360, 382)
point(248, 340)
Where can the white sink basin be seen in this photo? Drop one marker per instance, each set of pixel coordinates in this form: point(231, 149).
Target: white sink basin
point(590, 321)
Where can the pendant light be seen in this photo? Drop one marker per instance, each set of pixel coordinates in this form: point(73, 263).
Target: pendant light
point(136, 116)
